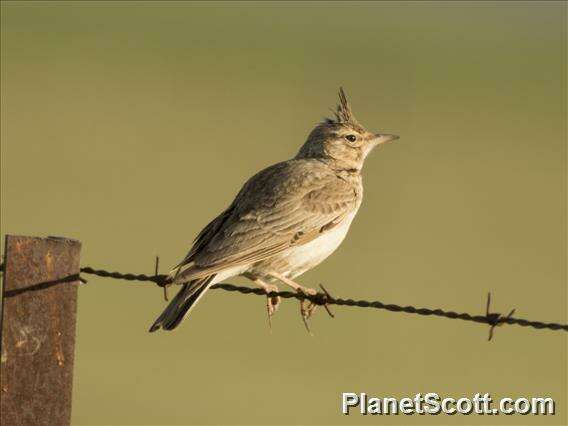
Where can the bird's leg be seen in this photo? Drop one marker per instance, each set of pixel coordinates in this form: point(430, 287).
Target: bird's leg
point(306, 310)
point(272, 302)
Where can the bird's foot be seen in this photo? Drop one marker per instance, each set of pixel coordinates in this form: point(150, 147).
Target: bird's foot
point(307, 307)
point(272, 300)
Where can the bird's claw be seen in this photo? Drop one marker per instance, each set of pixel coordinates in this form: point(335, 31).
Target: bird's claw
point(326, 298)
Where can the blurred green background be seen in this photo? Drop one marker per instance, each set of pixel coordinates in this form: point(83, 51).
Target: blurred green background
point(130, 125)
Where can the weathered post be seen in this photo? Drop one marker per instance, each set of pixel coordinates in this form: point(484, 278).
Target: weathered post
point(39, 304)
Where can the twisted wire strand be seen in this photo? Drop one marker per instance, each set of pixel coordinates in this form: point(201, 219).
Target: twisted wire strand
point(492, 319)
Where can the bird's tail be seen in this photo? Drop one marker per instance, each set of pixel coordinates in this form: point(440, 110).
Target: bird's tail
point(182, 303)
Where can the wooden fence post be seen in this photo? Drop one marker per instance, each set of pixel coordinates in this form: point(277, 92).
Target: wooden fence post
point(39, 304)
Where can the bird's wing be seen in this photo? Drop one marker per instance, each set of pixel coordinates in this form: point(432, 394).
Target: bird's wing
point(287, 204)
point(203, 238)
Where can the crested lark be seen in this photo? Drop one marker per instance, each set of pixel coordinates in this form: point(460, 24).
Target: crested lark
point(284, 221)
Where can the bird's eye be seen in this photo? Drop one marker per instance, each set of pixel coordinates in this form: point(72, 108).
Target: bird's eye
point(351, 138)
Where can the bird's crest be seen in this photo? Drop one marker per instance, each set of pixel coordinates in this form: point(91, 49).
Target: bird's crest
point(343, 114)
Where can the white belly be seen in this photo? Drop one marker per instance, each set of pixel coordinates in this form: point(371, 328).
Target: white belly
point(305, 257)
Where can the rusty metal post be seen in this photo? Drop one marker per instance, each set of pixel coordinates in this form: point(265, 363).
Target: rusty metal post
point(39, 304)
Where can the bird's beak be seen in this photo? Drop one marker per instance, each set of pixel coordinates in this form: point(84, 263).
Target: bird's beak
point(384, 138)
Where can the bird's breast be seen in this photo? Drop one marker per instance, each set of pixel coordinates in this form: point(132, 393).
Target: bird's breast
point(300, 259)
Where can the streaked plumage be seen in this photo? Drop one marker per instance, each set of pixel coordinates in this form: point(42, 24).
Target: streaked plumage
point(285, 220)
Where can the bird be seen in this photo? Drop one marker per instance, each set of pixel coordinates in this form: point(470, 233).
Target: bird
point(285, 220)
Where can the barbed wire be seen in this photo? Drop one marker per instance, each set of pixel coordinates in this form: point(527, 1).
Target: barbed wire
point(493, 319)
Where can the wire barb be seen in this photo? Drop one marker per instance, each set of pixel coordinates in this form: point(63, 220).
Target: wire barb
point(494, 319)
point(156, 274)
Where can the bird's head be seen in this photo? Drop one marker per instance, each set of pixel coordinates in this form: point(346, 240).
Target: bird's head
point(341, 140)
